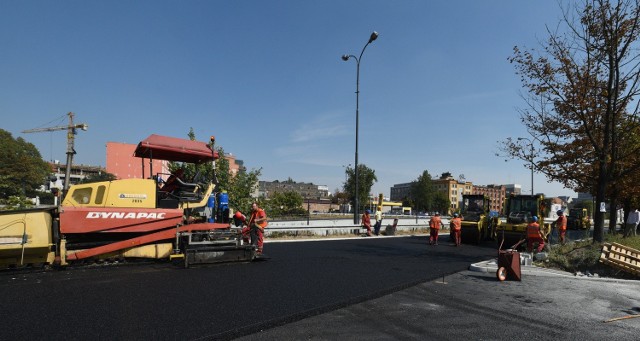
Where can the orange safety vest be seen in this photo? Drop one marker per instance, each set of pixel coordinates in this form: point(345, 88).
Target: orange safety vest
point(258, 215)
point(456, 224)
point(533, 230)
point(562, 223)
point(434, 223)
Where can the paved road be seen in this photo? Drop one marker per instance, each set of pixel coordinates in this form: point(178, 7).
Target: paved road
point(159, 301)
point(545, 305)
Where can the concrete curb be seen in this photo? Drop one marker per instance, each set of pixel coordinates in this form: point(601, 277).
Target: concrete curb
point(491, 266)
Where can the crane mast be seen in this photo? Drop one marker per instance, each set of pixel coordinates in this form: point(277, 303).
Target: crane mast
point(71, 132)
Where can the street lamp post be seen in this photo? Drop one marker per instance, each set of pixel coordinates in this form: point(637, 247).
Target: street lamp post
point(532, 164)
point(374, 36)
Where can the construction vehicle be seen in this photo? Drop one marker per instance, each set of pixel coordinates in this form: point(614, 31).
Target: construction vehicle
point(477, 224)
point(578, 219)
point(519, 210)
point(130, 218)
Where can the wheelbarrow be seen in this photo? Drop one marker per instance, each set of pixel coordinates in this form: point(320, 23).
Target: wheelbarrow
point(509, 263)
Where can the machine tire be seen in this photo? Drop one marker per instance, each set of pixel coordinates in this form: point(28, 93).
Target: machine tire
point(501, 274)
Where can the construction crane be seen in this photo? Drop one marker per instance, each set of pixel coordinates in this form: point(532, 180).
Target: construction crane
point(71, 132)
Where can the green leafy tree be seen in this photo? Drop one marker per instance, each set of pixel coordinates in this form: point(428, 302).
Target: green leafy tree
point(240, 187)
point(22, 170)
point(285, 203)
point(441, 202)
point(581, 103)
point(15, 202)
point(99, 177)
point(366, 179)
point(423, 192)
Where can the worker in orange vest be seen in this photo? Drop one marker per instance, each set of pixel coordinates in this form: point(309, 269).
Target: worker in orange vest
point(561, 224)
point(239, 220)
point(434, 228)
point(366, 221)
point(257, 224)
point(534, 235)
point(456, 227)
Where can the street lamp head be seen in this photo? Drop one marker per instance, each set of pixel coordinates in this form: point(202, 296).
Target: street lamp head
point(345, 57)
point(373, 37)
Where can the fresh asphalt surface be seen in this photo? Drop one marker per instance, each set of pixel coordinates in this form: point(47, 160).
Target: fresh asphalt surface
point(160, 301)
point(357, 289)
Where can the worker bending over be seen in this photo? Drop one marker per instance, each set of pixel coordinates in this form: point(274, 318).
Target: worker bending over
point(534, 235)
point(239, 220)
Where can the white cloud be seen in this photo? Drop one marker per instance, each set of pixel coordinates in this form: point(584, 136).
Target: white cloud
point(321, 127)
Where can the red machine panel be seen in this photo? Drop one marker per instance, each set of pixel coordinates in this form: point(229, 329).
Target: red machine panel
point(93, 219)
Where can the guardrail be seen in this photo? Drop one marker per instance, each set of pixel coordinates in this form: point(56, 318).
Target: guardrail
point(343, 225)
point(328, 227)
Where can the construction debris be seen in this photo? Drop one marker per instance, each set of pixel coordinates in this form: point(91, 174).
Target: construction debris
point(621, 257)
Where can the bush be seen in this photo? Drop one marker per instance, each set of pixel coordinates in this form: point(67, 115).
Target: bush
point(584, 256)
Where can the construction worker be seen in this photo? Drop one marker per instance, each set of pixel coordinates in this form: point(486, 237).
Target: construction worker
point(376, 228)
point(561, 225)
point(257, 224)
point(534, 235)
point(366, 221)
point(434, 228)
point(239, 220)
point(456, 227)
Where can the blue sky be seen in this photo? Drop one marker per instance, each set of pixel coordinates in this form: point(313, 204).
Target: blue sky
point(265, 77)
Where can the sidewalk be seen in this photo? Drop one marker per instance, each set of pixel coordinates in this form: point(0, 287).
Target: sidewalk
point(491, 267)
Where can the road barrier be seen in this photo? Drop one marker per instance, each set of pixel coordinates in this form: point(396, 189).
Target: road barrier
point(330, 227)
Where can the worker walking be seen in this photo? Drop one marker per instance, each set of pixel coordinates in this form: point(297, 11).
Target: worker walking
point(561, 225)
point(534, 235)
point(434, 228)
point(257, 224)
point(632, 223)
point(456, 227)
point(376, 228)
point(366, 221)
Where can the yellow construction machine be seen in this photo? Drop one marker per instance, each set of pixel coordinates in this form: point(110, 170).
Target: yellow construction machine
point(132, 218)
point(519, 210)
point(477, 224)
point(578, 219)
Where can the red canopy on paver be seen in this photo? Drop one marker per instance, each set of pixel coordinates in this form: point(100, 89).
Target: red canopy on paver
point(159, 147)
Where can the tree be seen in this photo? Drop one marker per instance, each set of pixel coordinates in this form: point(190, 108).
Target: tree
point(285, 203)
point(240, 187)
point(366, 179)
point(441, 202)
point(581, 108)
point(98, 177)
point(423, 192)
point(22, 170)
